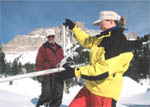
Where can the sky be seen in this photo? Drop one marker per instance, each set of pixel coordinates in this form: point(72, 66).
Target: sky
point(20, 17)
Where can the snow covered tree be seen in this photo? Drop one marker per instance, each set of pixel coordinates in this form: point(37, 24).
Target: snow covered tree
point(83, 55)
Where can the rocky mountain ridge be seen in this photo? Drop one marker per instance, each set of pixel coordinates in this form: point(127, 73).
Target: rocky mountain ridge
point(31, 42)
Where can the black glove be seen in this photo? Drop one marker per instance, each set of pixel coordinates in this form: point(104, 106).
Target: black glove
point(69, 72)
point(69, 23)
point(67, 66)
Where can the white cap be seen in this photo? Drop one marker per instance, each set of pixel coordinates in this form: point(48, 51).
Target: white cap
point(50, 32)
point(107, 15)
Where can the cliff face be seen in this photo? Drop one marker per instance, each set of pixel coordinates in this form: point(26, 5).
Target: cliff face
point(23, 43)
point(32, 42)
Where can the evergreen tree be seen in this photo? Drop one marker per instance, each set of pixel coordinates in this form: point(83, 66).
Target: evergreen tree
point(139, 67)
point(8, 70)
point(29, 67)
point(16, 67)
point(2, 61)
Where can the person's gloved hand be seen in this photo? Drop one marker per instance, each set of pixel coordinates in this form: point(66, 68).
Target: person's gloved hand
point(67, 67)
point(69, 72)
point(69, 23)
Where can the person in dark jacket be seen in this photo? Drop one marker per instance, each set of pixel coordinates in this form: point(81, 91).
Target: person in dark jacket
point(110, 57)
point(49, 56)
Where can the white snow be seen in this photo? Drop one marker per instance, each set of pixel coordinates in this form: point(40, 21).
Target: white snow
point(25, 86)
point(9, 99)
point(25, 57)
point(132, 88)
point(22, 92)
point(134, 94)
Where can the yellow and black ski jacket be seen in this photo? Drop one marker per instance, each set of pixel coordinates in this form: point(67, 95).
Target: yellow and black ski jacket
point(110, 56)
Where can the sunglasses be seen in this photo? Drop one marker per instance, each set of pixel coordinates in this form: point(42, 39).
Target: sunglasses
point(50, 36)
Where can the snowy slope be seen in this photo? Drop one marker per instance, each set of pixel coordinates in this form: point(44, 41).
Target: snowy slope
point(10, 99)
point(26, 86)
point(134, 94)
point(22, 92)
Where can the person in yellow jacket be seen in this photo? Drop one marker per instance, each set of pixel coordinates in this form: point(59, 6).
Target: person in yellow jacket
point(110, 57)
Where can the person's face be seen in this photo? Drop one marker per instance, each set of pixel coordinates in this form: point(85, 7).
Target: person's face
point(51, 38)
point(106, 24)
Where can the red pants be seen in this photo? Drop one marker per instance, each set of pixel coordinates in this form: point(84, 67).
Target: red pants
point(86, 99)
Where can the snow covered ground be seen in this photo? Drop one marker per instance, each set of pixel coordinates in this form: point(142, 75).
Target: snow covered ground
point(134, 94)
point(24, 93)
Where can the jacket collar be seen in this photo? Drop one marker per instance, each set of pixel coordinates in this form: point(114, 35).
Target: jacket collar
point(113, 28)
